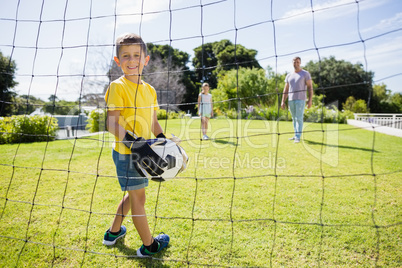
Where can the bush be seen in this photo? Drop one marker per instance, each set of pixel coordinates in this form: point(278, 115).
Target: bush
point(22, 128)
point(161, 114)
point(356, 106)
point(327, 115)
point(262, 113)
point(97, 121)
point(173, 115)
point(344, 116)
point(315, 114)
point(272, 113)
point(232, 114)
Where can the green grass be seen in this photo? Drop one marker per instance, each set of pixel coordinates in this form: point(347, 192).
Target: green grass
point(257, 200)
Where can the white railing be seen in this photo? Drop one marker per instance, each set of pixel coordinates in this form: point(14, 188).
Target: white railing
point(389, 120)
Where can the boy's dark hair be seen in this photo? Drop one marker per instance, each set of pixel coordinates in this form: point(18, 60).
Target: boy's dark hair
point(130, 39)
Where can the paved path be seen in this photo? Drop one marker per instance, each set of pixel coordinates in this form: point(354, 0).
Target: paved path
point(374, 127)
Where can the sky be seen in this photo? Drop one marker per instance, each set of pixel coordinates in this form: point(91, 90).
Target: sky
point(63, 47)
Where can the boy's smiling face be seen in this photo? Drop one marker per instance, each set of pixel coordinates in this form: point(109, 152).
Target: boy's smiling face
point(132, 60)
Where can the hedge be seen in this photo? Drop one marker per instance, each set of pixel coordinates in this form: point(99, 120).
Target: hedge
point(97, 120)
point(23, 128)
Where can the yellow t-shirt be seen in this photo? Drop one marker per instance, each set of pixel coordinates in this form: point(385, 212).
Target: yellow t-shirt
point(137, 103)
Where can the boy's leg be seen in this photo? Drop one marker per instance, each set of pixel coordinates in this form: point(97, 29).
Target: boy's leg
point(117, 231)
point(122, 209)
point(128, 178)
point(137, 201)
point(150, 245)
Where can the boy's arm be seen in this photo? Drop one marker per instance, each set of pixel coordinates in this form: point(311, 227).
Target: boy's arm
point(113, 126)
point(142, 153)
point(156, 127)
point(116, 129)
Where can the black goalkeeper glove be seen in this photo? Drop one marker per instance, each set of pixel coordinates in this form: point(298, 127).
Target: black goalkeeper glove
point(161, 136)
point(144, 156)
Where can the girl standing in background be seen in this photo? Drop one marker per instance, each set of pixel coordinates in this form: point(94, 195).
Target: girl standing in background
point(205, 109)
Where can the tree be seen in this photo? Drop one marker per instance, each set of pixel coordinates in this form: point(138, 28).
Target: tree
point(205, 62)
point(166, 71)
point(384, 101)
point(349, 103)
point(166, 80)
point(213, 58)
point(26, 104)
point(113, 73)
point(360, 107)
point(60, 107)
point(170, 64)
point(339, 79)
point(250, 85)
point(353, 105)
point(396, 102)
point(276, 82)
point(53, 98)
point(7, 82)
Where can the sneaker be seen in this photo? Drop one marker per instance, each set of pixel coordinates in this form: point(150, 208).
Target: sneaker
point(297, 140)
point(292, 138)
point(110, 239)
point(205, 137)
point(163, 241)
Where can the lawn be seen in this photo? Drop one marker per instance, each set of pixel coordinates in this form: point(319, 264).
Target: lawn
point(249, 197)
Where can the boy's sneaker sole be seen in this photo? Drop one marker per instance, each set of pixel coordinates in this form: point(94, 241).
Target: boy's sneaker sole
point(163, 241)
point(110, 240)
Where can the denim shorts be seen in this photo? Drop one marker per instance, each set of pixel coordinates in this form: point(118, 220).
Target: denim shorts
point(128, 176)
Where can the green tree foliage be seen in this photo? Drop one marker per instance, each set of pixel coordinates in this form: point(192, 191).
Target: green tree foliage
point(97, 120)
point(276, 81)
point(205, 63)
point(396, 102)
point(250, 85)
point(384, 101)
point(7, 82)
point(169, 55)
point(339, 79)
point(355, 106)
point(360, 106)
point(213, 58)
point(349, 103)
point(61, 107)
point(26, 104)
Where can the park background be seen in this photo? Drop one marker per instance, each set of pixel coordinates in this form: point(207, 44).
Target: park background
point(249, 196)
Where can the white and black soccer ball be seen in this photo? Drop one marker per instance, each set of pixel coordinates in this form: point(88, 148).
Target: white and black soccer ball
point(173, 154)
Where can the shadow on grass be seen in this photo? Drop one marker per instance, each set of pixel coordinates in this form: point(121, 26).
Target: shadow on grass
point(222, 141)
point(340, 146)
point(154, 261)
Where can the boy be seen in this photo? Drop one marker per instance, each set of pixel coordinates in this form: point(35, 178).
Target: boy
point(131, 113)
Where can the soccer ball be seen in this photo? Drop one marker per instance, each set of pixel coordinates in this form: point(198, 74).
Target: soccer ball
point(173, 154)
